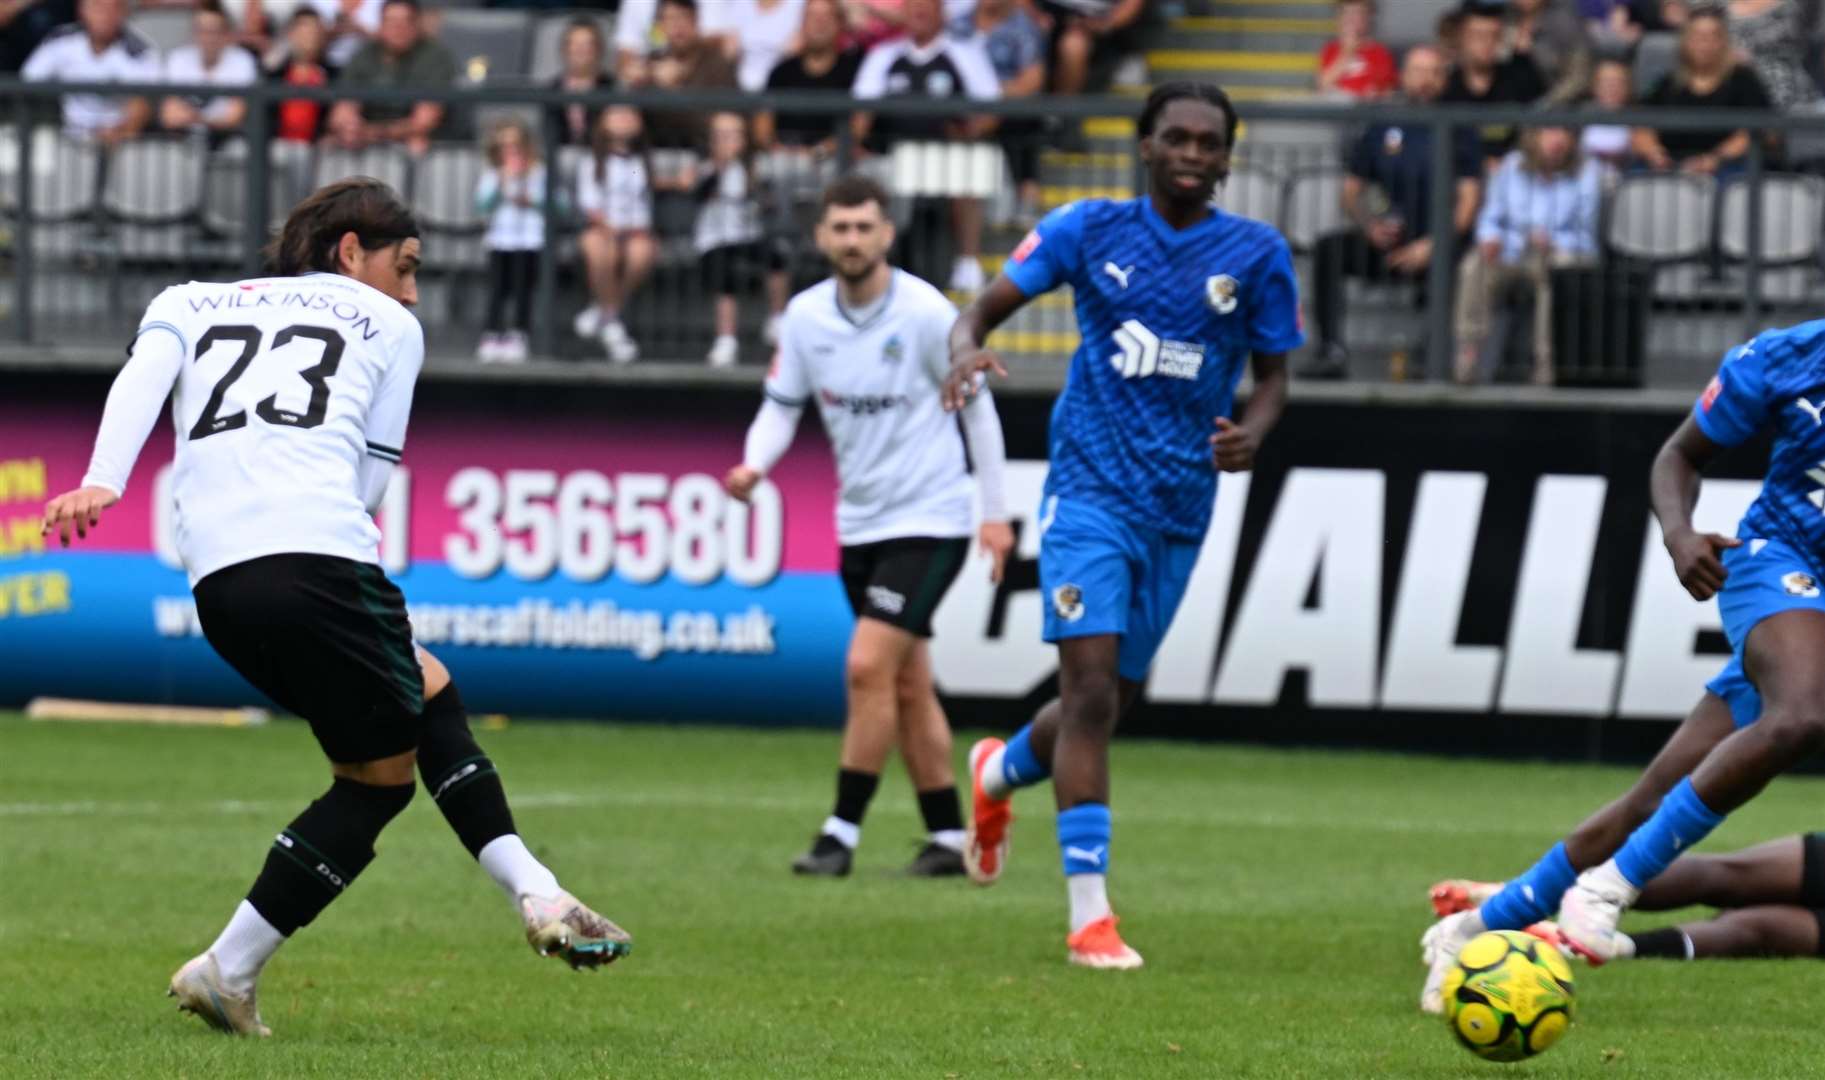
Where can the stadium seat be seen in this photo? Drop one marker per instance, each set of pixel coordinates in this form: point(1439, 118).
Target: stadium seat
point(547, 62)
point(444, 198)
point(1793, 214)
point(1313, 207)
point(153, 190)
point(488, 45)
point(947, 169)
point(64, 175)
point(1655, 58)
point(226, 193)
point(165, 29)
point(1253, 192)
point(381, 162)
point(1663, 221)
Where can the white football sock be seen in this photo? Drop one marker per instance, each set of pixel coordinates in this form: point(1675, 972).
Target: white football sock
point(949, 838)
point(847, 833)
point(515, 870)
point(243, 948)
point(1610, 878)
point(994, 781)
point(1089, 899)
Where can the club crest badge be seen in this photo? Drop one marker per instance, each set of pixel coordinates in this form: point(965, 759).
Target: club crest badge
point(1221, 292)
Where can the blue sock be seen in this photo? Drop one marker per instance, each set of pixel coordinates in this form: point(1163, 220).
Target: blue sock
point(1533, 896)
point(1020, 767)
point(1083, 838)
point(1682, 820)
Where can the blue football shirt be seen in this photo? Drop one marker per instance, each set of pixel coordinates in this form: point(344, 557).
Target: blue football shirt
point(1777, 383)
point(1168, 320)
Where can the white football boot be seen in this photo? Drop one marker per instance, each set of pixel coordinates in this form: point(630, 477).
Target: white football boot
point(563, 926)
point(198, 988)
point(1439, 949)
point(1590, 912)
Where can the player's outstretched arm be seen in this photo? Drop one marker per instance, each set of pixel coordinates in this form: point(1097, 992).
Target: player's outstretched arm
point(769, 437)
point(1234, 445)
point(1673, 487)
point(134, 403)
point(970, 361)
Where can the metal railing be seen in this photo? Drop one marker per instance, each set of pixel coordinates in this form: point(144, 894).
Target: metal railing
point(1683, 266)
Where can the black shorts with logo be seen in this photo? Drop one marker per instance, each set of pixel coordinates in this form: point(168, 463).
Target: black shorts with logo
point(900, 581)
point(325, 638)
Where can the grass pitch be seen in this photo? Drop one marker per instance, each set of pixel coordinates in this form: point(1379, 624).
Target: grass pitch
point(1278, 897)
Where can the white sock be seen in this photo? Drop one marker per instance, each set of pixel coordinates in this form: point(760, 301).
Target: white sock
point(847, 833)
point(243, 948)
point(1089, 899)
point(515, 869)
point(949, 838)
point(1610, 878)
point(994, 781)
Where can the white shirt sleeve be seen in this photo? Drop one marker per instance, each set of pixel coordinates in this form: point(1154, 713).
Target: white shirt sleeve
point(45, 61)
point(989, 453)
point(770, 436)
point(392, 407)
point(871, 78)
point(787, 381)
point(237, 68)
point(977, 70)
point(146, 67)
point(135, 402)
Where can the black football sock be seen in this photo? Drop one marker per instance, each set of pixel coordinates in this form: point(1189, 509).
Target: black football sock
point(1668, 942)
point(854, 790)
point(943, 814)
point(320, 853)
point(459, 776)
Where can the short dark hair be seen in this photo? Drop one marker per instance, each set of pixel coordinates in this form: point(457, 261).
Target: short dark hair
point(853, 190)
point(688, 5)
point(1167, 93)
point(361, 205)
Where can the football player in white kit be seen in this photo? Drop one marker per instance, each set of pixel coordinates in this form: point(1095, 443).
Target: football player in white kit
point(292, 395)
point(870, 346)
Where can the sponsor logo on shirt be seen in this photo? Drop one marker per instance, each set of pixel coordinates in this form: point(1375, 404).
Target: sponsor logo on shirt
point(863, 404)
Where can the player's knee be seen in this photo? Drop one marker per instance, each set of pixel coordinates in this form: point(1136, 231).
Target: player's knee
point(1094, 701)
point(1073, 47)
point(872, 672)
point(1794, 730)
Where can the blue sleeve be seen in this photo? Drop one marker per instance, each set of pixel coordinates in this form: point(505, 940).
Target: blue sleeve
point(1051, 254)
point(1735, 406)
point(1274, 323)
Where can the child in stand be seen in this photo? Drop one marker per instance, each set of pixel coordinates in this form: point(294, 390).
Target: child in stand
point(614, 192)
point(512, 194)
point(728, 232)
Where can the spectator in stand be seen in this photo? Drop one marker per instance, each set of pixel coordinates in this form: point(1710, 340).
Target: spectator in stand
point(1540, 215)
point(212, 59)
point(302, 64)
point(511, 192)
point(99, 47)
point(584, 52)
point(1353, 65)
point(728, 232)
point(1709, 76)
point(1771, 36)
point(1089, 37)
point(873, 21)
point(689, 61)
point(26, 23)
point(929, 63)
point(1395, 238)
point(399, 56)
point(759, 34)
point(1612, 89)
point(1448, 35)
point(615, 195)
point(1549, 33)
point(1483, 77)
point(351, 23)
point(821, 64)
point(1016, 48)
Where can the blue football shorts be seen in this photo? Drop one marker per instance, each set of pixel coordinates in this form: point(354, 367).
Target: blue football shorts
point(1103, 574)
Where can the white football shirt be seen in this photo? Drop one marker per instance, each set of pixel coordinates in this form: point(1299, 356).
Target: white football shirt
point(899, 456)
point(66, 55)
point(286, 385)
point(235, 67)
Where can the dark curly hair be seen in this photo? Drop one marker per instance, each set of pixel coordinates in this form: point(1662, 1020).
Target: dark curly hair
point(361, 205)
point(1167, 93)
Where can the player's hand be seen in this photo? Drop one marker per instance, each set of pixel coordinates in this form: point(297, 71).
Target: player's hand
point(1232, 448)
point(74, 513)
point(966, 374)
point(741, 481)
point(996, 540)
point(1697, 560)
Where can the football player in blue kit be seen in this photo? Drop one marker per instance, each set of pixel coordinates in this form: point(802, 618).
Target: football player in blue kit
point(1174, 298)
point(1766, 581)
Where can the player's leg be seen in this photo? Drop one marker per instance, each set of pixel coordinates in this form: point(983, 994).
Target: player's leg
point(1469, 908)
point(328, 640)
point(1780, 656)
point(467, 789)
point(966, 230)
point(925, 747)
point(1773, 872)
point(1771, 930)
point(1780, 885)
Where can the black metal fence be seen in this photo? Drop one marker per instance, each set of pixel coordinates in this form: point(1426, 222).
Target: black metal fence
point(1678, 265)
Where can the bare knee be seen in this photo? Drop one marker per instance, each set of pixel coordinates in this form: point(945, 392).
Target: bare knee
point(1093, 701)
point(1074, 47)
point(871, 672)
point(436, 675)
point(1793, 731)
